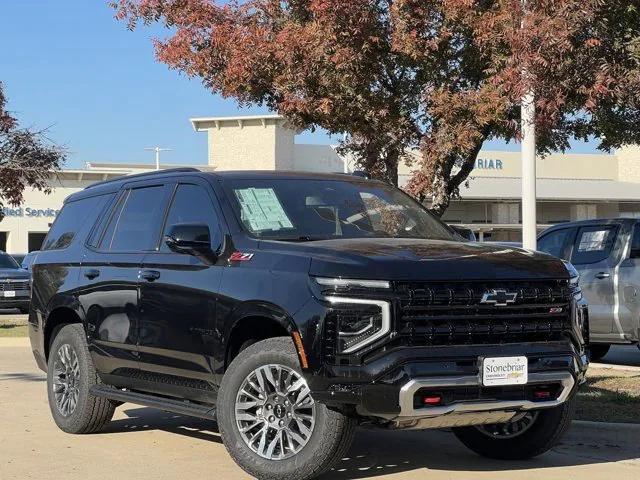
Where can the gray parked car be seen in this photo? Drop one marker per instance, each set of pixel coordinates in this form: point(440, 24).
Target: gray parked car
point(607, 255)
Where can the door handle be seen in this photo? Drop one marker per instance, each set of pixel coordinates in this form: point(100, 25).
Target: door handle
point(92, 273)
point(603, 275)
point(150, 275)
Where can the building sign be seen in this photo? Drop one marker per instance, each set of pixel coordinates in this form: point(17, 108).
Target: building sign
point(489, 164)
point(30, 212)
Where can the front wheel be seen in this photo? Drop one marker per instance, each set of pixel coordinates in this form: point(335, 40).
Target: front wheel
point(270, 423)
point(529, 434)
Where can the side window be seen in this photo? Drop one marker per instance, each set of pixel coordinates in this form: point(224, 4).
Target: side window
point(71, 218)
point(192, 204)
point(134, 225)
point(594, 244)
point(635, 242)
point(553, 243)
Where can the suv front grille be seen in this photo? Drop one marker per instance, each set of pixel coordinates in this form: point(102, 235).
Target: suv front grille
point(8, 285)
point(454, 314)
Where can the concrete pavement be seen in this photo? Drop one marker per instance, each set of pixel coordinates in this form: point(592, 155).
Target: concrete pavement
point(146, 443)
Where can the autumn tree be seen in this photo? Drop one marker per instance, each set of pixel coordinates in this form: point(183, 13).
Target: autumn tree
point(436, 77)
point(27, 158)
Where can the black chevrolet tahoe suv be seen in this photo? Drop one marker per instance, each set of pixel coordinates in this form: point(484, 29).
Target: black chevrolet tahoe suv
point(292, 307)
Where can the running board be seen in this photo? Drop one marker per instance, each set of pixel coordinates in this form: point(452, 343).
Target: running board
point(181, 407)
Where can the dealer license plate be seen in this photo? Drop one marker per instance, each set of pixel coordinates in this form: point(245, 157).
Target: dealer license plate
point(10, 293)
point(504, 371)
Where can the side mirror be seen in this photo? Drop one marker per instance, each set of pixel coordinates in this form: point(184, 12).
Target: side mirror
point(190, 239)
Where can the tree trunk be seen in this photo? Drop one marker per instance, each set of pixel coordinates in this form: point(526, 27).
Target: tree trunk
point(441, 197)
point(445, 185)
point(391, 169)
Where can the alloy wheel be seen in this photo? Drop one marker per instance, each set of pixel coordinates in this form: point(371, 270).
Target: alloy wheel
point(275, 412)
point(517, 426)
point(66, 378)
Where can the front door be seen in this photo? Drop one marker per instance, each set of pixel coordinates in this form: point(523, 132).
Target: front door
point(593, 253)
point(110, 276)
point(178, 299)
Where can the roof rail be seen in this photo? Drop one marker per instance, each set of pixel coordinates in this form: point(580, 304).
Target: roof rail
point(143, 175)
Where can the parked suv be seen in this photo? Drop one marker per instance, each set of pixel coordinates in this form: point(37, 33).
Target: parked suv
point(292, 307)
point(15, 288)
point(606, 253)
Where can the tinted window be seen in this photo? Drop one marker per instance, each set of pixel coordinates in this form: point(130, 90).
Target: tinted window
point(7, 261)
point(594, 244)
point(635, 242)
point(553, 242)
point(192, 204)
point(71, 218)
point(136, 226)
point(308, 209)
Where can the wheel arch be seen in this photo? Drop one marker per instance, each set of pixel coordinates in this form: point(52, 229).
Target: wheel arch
point(57, 318)
point(258, 321)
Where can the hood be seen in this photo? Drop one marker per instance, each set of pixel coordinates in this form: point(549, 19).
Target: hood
point(421, 259)
point(14, 273)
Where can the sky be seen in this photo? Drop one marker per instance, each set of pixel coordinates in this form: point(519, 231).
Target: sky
point(70, 67)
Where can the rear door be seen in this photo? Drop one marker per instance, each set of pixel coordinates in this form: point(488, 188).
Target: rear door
point(178, 294)
point(627, 324)
point(110, 272)
point(593, 256)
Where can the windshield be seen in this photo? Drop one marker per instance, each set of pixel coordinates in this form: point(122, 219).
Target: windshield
point(7, 261)
point(311, 209)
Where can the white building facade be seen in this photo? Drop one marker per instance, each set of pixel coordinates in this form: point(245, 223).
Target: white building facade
point(570, 186)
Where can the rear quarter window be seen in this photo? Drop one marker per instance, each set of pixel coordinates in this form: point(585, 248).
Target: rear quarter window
point(73, 216)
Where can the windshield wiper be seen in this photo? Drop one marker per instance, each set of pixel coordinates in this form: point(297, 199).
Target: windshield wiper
point(301, 238)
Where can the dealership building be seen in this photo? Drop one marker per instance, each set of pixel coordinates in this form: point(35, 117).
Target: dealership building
point(570, 186)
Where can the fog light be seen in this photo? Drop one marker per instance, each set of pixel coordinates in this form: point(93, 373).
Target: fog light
point(432, 400)
point(541, 394)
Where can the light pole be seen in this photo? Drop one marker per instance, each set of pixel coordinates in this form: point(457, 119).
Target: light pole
point(158, 150)
point(528, 125)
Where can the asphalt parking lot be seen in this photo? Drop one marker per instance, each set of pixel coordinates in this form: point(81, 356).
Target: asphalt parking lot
point(147, 443)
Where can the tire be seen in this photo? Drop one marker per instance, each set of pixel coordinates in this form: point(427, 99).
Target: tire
point(90, 413)
point(598, 350)
point(24, 310)
point(541, 435)
point(330, 436)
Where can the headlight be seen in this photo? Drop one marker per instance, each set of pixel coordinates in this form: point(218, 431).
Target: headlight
point(574, 279)
point(337, 283)
point(359, 322)
point(574, 275)
point(354, 323)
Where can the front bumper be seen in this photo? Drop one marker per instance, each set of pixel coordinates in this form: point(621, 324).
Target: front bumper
point(14, 302)
point(384, 390)
point(476, 412)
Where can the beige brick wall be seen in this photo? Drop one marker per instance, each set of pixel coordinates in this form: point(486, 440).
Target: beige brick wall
point(251, 146)
point(629, 164)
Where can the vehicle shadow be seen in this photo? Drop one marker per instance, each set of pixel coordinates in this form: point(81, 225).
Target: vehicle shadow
point(378, 452)
point(27, 377)
point(624, 355)
point(142, 418)
point(383, 452)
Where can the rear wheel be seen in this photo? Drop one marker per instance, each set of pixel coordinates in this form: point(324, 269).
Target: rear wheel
point(598, 351)
point(70, 376)
point(529, 434)
point(270, 423)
